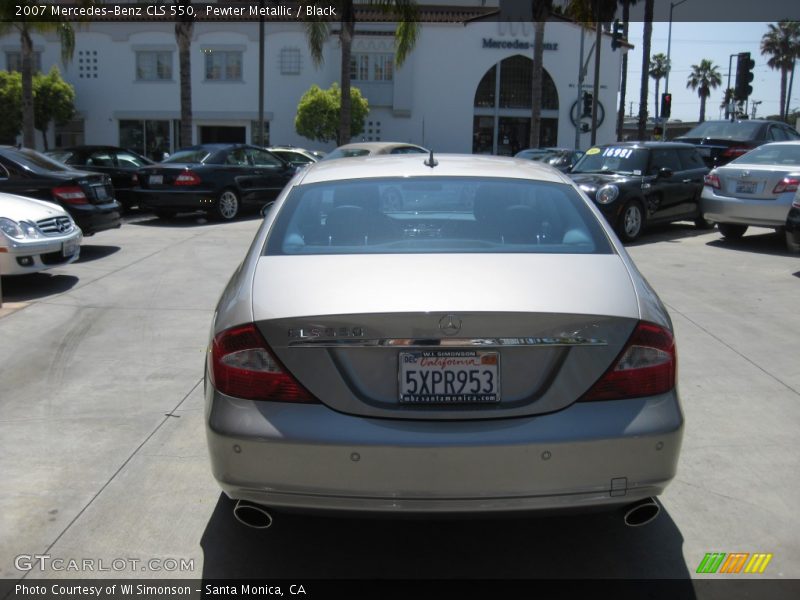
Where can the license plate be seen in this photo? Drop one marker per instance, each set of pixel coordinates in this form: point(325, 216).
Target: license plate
point(156, 179)
point(704, 151)
point(745, 187)
point(70, 248)
point(449, 377)
point(100, 192)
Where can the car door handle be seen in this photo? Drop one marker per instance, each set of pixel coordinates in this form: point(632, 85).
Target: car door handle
point(688, 180)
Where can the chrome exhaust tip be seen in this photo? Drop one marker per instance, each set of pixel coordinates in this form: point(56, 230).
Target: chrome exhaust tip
point(641, 512)
point(252, 515)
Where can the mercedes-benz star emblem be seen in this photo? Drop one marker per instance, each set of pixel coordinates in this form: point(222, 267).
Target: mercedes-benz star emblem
point(450, 324)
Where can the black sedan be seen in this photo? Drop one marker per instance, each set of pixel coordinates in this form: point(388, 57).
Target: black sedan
point(221, 179)
point(118, 163)
point(639, 183)
point(87, 197)
point(719, 142)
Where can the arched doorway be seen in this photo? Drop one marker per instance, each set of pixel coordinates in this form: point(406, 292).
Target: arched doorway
point(502, 118)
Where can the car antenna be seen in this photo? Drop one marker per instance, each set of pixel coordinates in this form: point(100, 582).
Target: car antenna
point(431, 162)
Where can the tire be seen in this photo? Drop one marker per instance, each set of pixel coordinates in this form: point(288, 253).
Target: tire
point(228, 205)
point(631, 221)
point(163, 213)
point(792, 243)
point(702, 223)
point(730, 231)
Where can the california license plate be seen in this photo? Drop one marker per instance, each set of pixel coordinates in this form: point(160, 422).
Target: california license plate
point(449, 377)
point(156, 179)
point(745, 187)
point(70, 248)
point(100, 192)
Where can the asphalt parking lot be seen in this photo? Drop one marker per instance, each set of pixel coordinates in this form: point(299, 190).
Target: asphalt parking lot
point(102, 448)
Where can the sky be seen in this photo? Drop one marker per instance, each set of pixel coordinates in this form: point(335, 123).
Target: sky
point(692, 42)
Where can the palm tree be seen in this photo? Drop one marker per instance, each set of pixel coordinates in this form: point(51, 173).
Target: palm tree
point(541, 10)
point(646, 43)
point(659, 67)
point(782, 44)
point(703, 78)
point(626, 18)
point(317, 33)
point(184, 29)
point(66, 36)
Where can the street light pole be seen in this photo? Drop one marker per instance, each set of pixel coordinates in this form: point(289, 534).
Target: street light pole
point(672, 6)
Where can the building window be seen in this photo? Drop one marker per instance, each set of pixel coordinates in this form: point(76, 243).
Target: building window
point(14, 61)
point(153, 65)
point(290, 61)
point(255, 139)
point(372, 67)
point(223, 65)
point(87, 64)
point(70, 133)
point(148, 138)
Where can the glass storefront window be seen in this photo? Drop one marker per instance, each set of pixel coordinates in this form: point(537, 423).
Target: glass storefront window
point(148, 138)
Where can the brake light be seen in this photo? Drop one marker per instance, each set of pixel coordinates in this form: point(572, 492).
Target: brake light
point(735, 151)
point(787, 184)
point(135, 179)
point(242, 366)
point(187, 178)
point(711, 180)
point(646, 366)
point(71, 194)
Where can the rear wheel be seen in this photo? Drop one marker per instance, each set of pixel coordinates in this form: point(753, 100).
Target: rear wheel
point(631, 221)
point(732, 232)
point(792, 242)
point(228, 205)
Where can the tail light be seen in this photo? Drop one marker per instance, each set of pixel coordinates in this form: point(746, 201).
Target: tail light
point(187, 178)
point(135, 179)
point(787, 184)
point(243, 366)
point(735, 151)
point(711, 180)
point(70, 194)
point(646, 366)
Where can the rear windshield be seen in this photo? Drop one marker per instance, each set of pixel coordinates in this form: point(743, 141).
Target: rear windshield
point(34, 161)
point(346, 153)
point(613, 159)
point(435, 215)
point(190, 155)
point(772, 154)
point(725, 130)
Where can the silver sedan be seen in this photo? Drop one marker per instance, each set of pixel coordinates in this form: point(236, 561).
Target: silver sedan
point(756, 189)
point(501, 353)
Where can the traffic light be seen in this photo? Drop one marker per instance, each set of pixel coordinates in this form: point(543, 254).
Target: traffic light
point(666, 105)
point(587, 104)
point(616, 35)
point(744, 75)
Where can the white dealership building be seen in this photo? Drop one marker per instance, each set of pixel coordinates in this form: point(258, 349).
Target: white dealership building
point(465, 87)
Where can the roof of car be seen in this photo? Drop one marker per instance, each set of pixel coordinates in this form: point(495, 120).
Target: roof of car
point(377, 145)
point(646, 144)
point(413, 165)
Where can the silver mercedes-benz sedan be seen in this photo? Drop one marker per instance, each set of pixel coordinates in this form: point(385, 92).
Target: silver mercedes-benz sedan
point(497, 351)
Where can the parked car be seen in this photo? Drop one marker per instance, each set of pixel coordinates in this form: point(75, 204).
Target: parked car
point(87, 197)
point(562, 159)
point(636, 184)
point(498, 357)
point(298, 157)
point(118, 163)
point(372, 148)
point(35, 235)
point(719, 142)
point(755, 189)
point(793, 225)
point(221, 179)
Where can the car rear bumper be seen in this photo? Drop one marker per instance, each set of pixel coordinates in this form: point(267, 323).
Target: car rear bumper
point(310, 457)
point(760, 213)
point(93, 218)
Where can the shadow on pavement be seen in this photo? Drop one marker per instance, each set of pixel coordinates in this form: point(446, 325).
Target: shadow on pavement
point(583, 546)
point(768, 242)
point(90, 252)
point(185, 220)
point(21, 288)
point(669, 232)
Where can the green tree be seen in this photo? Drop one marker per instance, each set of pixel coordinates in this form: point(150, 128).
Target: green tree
point(704, 78)
point(53, 101)
point(659, 67)
point(11, 101)
point(317, 33)
point(782, 44)
point(319, 113)
point(32, 25)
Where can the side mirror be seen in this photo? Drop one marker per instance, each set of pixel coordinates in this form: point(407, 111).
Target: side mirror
point(664, 173)
point(266, 208)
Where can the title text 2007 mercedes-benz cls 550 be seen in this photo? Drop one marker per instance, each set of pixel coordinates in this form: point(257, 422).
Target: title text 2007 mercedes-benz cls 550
point(495, 351)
